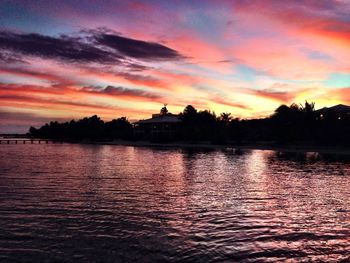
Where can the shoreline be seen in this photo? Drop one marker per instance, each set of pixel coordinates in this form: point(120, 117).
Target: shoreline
point(263, 146)
point(255, 146)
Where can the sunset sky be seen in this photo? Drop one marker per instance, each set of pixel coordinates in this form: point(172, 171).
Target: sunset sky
point(69, 59)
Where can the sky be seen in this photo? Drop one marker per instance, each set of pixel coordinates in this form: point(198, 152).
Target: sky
point(67, 59)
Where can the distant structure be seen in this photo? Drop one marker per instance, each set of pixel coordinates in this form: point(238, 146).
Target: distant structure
point(339, 111)
point(163, 126)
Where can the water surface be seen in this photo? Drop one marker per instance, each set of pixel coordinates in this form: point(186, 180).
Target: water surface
point(90, 203)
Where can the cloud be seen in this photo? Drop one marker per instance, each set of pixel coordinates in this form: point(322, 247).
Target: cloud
point(93, 46)
point(62, 107)
point(137, 48)
point(122, 92)
point(145, 80)
point(6, 89)
point(78, 108)
point(222, 101)
point(280, 96)
point(64, 48)
point(53, 91)
point(28, 73)
point(280, 59)
point(336, 96)
point(304, 28)
point(10, 58)
point(47, 101)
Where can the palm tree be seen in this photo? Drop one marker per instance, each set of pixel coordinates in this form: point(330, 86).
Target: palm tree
point(164, 111)
point(225, 118)
point(308, 107)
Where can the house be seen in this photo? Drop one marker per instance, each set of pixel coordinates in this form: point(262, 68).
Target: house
point(339, 111)
point(163, 126)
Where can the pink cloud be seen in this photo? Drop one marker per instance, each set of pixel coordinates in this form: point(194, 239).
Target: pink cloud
point(282, 29)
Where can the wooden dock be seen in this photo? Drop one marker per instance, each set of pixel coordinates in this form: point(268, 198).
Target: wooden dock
point(27, 141)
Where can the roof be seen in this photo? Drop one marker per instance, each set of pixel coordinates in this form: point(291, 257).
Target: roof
point(161, 119)
point(337, 109)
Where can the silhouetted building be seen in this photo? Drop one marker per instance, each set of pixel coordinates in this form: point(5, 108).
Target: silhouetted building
point(159, 127)
point(338, 111)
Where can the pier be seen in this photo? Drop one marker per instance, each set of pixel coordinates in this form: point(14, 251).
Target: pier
point(27, 141)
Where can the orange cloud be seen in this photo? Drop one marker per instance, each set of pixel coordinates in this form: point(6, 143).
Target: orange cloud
point(223, 101)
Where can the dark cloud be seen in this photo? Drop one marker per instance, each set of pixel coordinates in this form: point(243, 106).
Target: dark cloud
point(63, 47)
point(121, 91)
point(94, 46)
point(136, 67)
point(137, 48)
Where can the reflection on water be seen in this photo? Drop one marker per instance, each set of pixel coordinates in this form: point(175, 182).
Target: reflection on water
point(114, 203)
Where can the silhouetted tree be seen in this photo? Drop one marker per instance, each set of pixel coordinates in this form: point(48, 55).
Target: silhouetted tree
point(86, 128)
point(198, 126)
point(225, 118)
point(119, 129)
point(164, 111)
point(294, 123)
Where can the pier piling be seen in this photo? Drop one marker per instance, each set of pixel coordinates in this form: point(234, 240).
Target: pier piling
point(25, 140)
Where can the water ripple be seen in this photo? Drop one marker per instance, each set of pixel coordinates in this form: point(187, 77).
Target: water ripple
point(123, 204)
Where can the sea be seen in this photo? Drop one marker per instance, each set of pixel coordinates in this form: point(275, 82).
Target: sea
point(109, 203)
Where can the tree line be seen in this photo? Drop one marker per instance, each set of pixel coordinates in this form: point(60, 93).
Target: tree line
point(288, 124)
point(92, 128)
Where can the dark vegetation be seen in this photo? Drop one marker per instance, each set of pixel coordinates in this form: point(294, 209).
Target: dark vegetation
point(92, 128)
point(288, 124)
